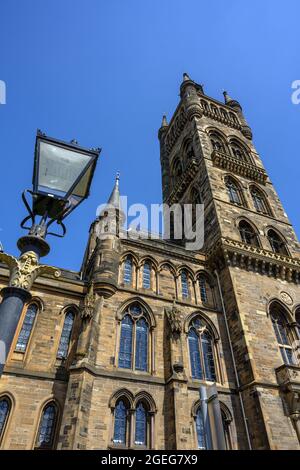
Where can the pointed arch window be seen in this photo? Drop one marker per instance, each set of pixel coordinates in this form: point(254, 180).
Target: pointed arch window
point(259, 201)
point(195, 200)
point(65, 338)
point(276, 242)
point(200, 429)
point(217, 142)
point(298, 321)
point(147, 275)
point(282, 335)
point(226, 428)
point(121, 423)
point(185, 285)
point(5, 407)
point(201, 351)
point(203, 289)
point(239, 152)
point(141, 425)
point(234, 191)
point(27, 327)
point(134, 339)
point(127, 277)
point(248, 235)
point(46, 432)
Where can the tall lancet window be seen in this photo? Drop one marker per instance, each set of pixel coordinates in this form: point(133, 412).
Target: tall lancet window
point(65, 338)
point(46, 433)
point(128, 271)
point(200, 430)
point(141, 425)
point(184, 285)
point(5, 406)
point(134, 339)
point(26, 329)
point(120, 425)
point(201, 349)
point(147, 275)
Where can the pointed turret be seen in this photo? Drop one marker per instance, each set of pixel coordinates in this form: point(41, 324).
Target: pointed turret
point(164, 127)
point(114, 198)
point(235, 105)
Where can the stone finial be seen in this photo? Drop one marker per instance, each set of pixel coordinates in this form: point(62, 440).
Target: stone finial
point(186, 77)
point(164, 122)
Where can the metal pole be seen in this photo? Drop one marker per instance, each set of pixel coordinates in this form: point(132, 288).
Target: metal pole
point(17, 294)
point(218, 436)
point(204, 408)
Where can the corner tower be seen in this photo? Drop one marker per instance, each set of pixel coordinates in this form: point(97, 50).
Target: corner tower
point(208, 156)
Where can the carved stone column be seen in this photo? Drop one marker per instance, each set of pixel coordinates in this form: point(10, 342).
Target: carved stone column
point(175, 323)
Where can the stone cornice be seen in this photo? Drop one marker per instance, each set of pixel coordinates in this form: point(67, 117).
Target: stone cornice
point(252, 258)
point(240, 167)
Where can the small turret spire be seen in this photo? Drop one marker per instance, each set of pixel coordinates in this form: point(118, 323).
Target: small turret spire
point(186, 77)
point(231, 102)
point(114, 198)
point(164, 122)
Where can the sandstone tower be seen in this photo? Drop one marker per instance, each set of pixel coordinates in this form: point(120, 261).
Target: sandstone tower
point(113, 356)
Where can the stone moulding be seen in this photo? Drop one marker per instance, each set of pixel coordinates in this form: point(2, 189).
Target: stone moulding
point(256, 259)
point(229, 163)
point(184, 181)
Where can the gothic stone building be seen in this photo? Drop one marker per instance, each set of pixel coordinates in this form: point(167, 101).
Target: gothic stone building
point(113, 356)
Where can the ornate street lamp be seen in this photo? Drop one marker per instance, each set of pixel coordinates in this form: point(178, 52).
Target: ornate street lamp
point(62, 177)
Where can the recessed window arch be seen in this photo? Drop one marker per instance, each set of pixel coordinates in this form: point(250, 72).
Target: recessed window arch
point(128, 270)
point(27, 327)
point(239, 151)
point(5, 409)
point(47, 427)
point(248, 234)
point(277, 243)
point(187, 150)
point(201, 349)
point(259, 200)
point(234, 191)
point(121, 422)
point(135, 341)
point(66, 334)
point(200, 429)
point(282, 333)
point(185, 287)
point(218, 142)
point(147, 268)
point(176, 167)
point(226, 422)
point(297, 318)
point(206, 290)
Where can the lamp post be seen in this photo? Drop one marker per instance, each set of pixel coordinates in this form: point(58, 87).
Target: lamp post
point(62, 176)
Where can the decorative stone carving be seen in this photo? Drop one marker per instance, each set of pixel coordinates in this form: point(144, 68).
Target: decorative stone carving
point(173, 315)
point(89, 303)
point(24, 270)
point(286, 298)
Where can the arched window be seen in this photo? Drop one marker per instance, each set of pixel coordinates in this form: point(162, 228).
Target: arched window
point(259, 201)
point(184, 285)
point(127, 276)
point(226, 421)
point(276, 242)
point(200, 430)
point(141, 419)
point(26, 329)
point(248, 234)
point(5, 407)
point(217, 142)
point(121, 422)
point(239, 151)
point(147, 275)
point(134, 339)
point(64, 343)
point(206, 293)
point(46, 432)
point(282, 335)
point(201, 351)
point(234, 191)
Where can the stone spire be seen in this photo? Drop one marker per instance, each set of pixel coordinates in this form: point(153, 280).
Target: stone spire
point(231, 102)
point(114, 198)
point(235, 105)
point(164, 127)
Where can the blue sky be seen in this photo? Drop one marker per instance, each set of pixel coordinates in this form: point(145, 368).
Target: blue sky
point(104, 72)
